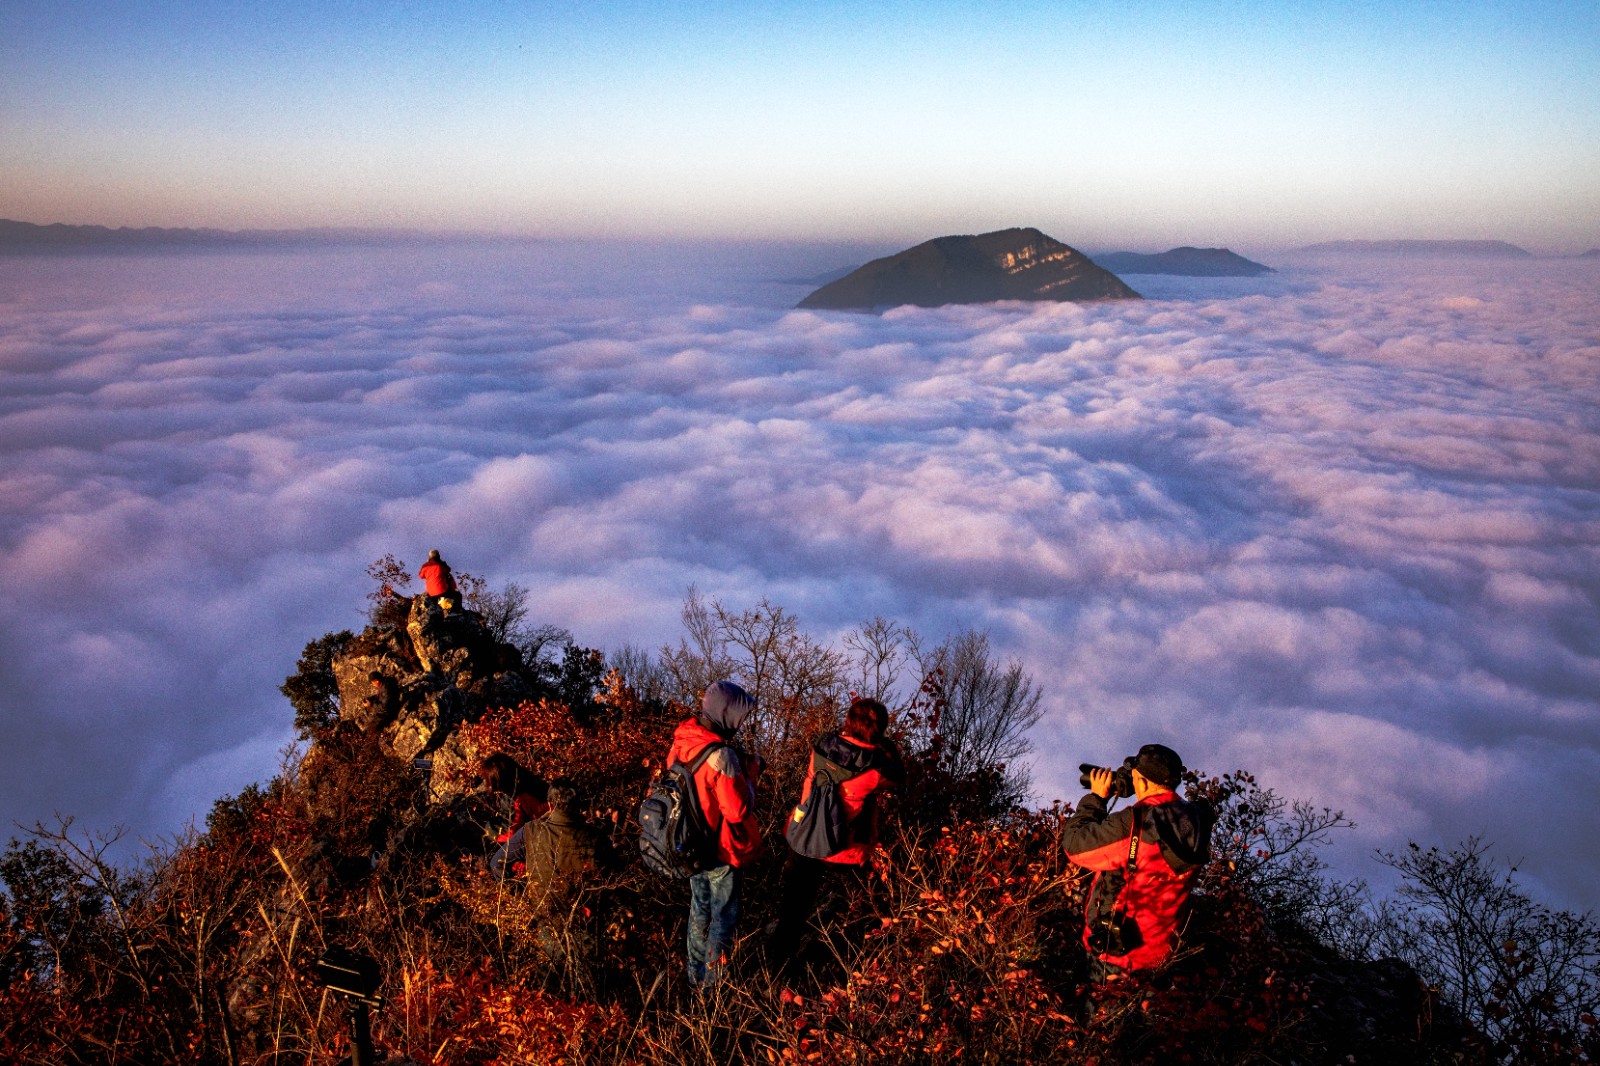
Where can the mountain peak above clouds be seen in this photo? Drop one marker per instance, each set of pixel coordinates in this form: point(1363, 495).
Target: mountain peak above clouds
point(1185, 262)
point(1010, 264)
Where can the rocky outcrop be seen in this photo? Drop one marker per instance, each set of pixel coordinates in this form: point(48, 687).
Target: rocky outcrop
point(1184, 262)
point(1012, 264)
point(411, 687)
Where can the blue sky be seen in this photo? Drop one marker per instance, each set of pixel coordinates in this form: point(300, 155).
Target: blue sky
point(1141, 125)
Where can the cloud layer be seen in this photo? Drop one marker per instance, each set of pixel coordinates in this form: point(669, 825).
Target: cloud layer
point(1340, 527)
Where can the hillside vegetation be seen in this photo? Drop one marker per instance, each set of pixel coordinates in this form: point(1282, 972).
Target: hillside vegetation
point(965, 949)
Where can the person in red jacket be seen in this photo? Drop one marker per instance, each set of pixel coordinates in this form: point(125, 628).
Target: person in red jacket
point(437, 580)
point(527, 792)
point(1144, 885)
point(725, 786)
point(869, 764)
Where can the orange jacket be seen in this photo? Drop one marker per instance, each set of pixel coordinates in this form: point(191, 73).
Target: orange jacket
point(726, 789)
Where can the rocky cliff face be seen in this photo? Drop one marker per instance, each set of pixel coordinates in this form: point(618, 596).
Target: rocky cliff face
point(411, 687)
point(1012, 264)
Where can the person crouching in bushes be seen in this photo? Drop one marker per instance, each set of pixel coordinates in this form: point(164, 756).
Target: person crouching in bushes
point(862, 763)
point(1145, 858)
point(561, 855)
point(725, 788)
point(524, 792)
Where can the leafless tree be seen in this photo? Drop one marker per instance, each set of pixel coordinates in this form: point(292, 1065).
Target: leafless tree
point(880, 650)
point(642, 672)
point(988, 708)
point(701, 655)
point(503, 612)
point(1527, 976)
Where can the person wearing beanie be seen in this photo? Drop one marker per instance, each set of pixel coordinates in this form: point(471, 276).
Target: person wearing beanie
point(1144, 857)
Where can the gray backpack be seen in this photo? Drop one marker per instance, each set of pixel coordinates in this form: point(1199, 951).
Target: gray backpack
point(674, 838)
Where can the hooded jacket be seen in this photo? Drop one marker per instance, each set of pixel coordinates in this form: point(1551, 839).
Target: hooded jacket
point(725, 782)
point(872, 769)
point(1174, 842)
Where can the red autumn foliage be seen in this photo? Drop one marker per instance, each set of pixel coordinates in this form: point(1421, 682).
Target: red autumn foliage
point(963, 946)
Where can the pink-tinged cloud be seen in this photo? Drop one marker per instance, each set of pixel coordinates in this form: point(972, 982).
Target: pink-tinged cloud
point(1340, 526)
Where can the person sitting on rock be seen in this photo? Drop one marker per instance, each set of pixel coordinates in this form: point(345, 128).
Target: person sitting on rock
point(436, 576)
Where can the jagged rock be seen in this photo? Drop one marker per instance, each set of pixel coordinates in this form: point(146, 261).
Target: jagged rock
point(413, 687)
point(1362, 1007)
point(1012, 264)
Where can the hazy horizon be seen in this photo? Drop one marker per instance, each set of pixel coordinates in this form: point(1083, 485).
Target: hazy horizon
point(865, 247)
point(1163, 124)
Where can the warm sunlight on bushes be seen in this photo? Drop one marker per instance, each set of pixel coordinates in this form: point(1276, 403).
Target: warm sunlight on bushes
point(962, 946)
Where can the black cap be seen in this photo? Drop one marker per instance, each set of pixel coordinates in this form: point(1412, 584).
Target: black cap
point(1160, 764)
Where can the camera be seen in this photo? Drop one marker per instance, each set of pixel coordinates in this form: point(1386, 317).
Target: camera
point(1121, 777)
point(1115, 933)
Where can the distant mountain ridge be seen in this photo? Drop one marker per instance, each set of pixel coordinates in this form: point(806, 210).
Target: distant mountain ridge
point(1185, 262)
point(1010, 264)
point(58, 236)
point(1497, 249)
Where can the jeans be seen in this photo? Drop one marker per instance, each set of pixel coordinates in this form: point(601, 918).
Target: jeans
point(713, 914)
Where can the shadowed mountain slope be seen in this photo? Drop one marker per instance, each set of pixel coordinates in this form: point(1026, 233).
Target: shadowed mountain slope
point(1011, 264)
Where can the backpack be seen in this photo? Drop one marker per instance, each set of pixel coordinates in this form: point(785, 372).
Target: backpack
point(673, 836)
point(818, 828)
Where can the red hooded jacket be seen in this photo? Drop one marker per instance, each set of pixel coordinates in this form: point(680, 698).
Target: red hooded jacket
point(874, 769)
point(1174, 842)
point(725, 788)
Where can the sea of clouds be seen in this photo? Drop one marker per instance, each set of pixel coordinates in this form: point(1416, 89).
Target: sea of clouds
point(1339, 526)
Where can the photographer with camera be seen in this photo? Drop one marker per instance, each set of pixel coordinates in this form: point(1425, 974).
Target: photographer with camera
point(1145, 858)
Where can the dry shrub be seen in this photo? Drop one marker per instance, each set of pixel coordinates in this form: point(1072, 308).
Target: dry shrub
point(958, 951)
point(469, 1017)
point(609, 756)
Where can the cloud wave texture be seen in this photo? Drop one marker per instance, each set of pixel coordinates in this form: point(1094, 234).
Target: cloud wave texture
point(1340, 527)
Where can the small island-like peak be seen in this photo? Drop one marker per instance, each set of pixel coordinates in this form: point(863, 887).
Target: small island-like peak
point(1009, 264)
